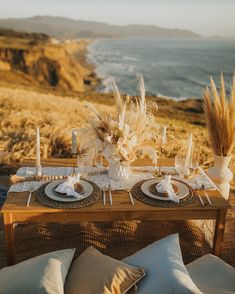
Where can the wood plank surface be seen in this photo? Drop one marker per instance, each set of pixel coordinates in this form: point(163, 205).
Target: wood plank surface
point(15, 209)
point(121, 203)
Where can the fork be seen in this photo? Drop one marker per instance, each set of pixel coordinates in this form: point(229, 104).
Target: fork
point(199, 196)
point(207, 197)
point(104, 197)
point(110, 195)
point(31, 190)
point(130, 196)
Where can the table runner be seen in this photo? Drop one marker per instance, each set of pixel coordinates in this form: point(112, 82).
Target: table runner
point(102, 180)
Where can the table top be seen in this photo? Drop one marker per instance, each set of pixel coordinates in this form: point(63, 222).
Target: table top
point(16, 202)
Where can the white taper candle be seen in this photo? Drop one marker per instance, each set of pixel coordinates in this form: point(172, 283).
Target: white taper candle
point(38, 156)
point(164, 128)
point(189, 150)
point(74, 142)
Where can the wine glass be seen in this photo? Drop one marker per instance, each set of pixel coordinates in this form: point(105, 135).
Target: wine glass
point(161, 142)
point(194, 160)
point(83, 163)
point(181, 165)
point(99, 160)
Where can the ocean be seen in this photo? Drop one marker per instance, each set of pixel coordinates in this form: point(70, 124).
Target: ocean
point(178, 68)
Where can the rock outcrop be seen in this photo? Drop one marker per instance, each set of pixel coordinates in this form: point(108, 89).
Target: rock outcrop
point(48, 64)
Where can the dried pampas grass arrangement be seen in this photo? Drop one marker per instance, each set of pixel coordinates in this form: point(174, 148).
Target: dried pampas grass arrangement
point(220, 117)
point(128, 134)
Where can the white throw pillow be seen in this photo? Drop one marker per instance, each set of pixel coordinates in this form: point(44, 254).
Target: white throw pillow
point(212, 275)
point(166, 272)
point(42, 274)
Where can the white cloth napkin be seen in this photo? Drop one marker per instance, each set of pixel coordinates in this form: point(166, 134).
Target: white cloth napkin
point(67, 187)
point(164, 186)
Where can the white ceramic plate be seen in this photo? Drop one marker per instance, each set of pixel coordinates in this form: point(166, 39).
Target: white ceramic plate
point(182, 192)
point(51, 193)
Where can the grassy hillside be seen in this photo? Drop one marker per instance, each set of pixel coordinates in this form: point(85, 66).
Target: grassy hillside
point(21, 111)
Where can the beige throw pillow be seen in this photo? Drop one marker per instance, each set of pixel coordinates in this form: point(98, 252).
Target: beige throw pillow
point(44, 274)
point(93, 272)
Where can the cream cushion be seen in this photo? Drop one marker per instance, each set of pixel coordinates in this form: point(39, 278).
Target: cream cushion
point(95, 273)
point(44, 274)
point(212, 275)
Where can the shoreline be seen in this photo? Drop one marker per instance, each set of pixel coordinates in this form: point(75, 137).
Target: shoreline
point(79, 70)
point(99, 80)
point(79, 50)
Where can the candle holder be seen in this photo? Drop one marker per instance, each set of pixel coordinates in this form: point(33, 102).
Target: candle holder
point(161, 144)
point(38, 170)
point(74, 156)
point(38, 156)
point(160, 161)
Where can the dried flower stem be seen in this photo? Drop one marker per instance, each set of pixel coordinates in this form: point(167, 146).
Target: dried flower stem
point(220, 117)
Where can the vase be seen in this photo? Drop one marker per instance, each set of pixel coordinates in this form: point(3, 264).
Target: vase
point(221, 175)
point(118, 171)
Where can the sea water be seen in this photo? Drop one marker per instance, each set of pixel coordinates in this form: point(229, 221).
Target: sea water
point(172, 67)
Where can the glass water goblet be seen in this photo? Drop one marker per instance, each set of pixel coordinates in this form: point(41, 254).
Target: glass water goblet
point(181, 166)
point(99, 160)
point(82, 164)
point(195, 162)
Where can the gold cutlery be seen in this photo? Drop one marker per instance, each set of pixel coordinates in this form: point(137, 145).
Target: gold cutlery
point(207, 197)
point(197, 193)
point(130, 196)
point(104, 197)
point(31, 190)
point(110, 195)
point(200, 198)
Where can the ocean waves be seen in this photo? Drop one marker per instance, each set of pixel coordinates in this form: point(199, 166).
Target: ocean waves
point(179, 69)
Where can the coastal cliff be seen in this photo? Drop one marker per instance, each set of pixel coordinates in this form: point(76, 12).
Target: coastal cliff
point(44, 63)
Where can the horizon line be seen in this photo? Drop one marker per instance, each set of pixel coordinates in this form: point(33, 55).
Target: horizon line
point(118, 25)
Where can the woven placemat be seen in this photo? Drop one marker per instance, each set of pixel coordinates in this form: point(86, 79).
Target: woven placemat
point(43, 199)
point(139, 195)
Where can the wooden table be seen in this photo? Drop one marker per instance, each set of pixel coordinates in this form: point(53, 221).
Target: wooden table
point(15, 211)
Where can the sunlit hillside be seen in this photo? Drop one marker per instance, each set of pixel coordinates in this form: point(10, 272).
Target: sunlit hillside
point(21, 111)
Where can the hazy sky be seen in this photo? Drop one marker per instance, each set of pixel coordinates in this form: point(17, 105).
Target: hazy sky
point(206, 17)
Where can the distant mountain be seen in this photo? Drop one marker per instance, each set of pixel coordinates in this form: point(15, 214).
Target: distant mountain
point(66, 28)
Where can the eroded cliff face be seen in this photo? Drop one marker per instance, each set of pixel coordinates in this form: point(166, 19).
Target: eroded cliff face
point(46, 63)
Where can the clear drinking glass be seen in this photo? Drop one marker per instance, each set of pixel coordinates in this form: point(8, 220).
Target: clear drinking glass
point(181, 165)
point(82, 164)
point(99, 160)
point(194, 160)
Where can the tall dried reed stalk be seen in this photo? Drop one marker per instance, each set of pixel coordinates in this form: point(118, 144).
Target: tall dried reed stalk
point(129, 134)
point(220, 117)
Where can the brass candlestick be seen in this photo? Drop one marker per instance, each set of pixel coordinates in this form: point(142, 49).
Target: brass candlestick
point(159, 172)
point(160, 162)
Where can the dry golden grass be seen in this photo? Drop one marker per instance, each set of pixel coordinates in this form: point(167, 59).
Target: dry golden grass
point(220, 117)
point(21, 111)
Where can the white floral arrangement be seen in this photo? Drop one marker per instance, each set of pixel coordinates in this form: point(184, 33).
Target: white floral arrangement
point(125, 136)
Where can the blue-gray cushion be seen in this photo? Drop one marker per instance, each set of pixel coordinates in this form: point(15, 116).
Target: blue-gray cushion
point(42, 274)
point(212, 275)
point(165, 270)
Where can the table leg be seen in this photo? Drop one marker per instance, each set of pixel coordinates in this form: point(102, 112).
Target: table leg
point(219, 231)
point(9, 238)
